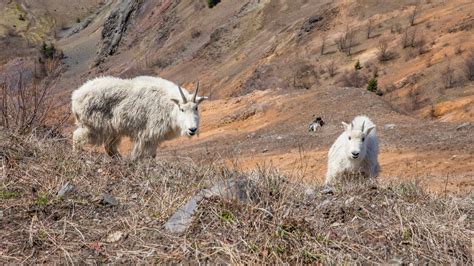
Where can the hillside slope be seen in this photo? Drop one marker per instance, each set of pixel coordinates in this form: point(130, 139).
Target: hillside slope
point(269, 66)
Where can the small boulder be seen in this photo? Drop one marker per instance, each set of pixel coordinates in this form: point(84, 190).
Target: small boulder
point(108, 199)
point(463, 126)
point(389, 126)
point(65, 189)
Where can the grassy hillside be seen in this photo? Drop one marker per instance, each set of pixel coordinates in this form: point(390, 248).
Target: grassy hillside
point(116, 211)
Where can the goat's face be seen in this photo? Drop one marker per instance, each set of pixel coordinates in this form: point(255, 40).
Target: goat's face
point(356, 141)
point(188, 115)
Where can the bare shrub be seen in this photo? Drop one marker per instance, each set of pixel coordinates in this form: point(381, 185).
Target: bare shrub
point(346, 41)
point(469, 66)
point(331, 68)
point(447, 76)
point(420, 45)
point(26, 108)
point(383, 54)
point(409, 37)
point(305, 76)
point(353, 79)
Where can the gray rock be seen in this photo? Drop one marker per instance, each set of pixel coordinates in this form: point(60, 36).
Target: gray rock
point(462, 126)
point(309, 192)
point(389, 126)
point(78, 27)
point(243, 190)
point(109, 199)
point(65, 189)
point(114, 28)
point(327, 190)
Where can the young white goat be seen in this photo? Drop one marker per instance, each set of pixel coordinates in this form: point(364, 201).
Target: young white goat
point(355, 151)
point(146, 109)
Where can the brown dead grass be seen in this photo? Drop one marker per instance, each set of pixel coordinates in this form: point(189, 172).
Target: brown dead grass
point(363, 222)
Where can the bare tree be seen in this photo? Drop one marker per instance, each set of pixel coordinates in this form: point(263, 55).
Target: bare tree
point(414, 13)
point(409, 37)
point(469, 66)
point(323, 43)
point(370, 28)
point(346, 41)
point(448, 76)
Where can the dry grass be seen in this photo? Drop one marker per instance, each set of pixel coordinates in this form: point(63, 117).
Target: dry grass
point(285, 223)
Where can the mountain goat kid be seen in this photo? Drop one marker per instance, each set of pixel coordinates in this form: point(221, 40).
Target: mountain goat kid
point(147, 109)
point(355, 151)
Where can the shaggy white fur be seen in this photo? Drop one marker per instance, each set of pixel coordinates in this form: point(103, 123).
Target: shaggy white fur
point(355, 151)
point(146, 109)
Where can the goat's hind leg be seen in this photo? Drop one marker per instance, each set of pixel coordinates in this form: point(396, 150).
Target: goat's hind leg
point(111, 146)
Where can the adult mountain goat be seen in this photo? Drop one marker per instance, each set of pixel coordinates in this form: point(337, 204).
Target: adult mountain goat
point(146, 109)
point(355, 151)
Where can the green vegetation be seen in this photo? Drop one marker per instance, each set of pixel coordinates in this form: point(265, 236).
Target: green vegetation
point(357, 65)
point(4, 195)
point(48, 51)
point(226, 216)
point(41, 200)
point(372, 85)
point(212, 3)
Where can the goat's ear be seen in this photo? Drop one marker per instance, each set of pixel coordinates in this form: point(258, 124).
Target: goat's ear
point(200, 99)
point(175, 101)
point(367, 131)
point(347, 127)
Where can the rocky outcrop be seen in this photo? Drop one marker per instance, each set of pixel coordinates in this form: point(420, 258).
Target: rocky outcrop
point(114, 28)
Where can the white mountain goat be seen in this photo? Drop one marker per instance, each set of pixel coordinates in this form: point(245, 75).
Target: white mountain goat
point(355, 151)
point(147, 109)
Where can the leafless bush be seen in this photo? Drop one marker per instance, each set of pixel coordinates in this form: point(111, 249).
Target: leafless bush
point(383, 53)
point(447, 75)
point(353, 79)
point(420, 44)
point(27, 107)
point(346, 41)
point(305, 76)
point(370, 28)
point(331, 68)
point(409, 37)
point(469, 66)
point(414, 99)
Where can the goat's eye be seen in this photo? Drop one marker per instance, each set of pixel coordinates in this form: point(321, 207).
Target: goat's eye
point(363, 139)
point(195, 108)
point(349, 138)
point(182, 110)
